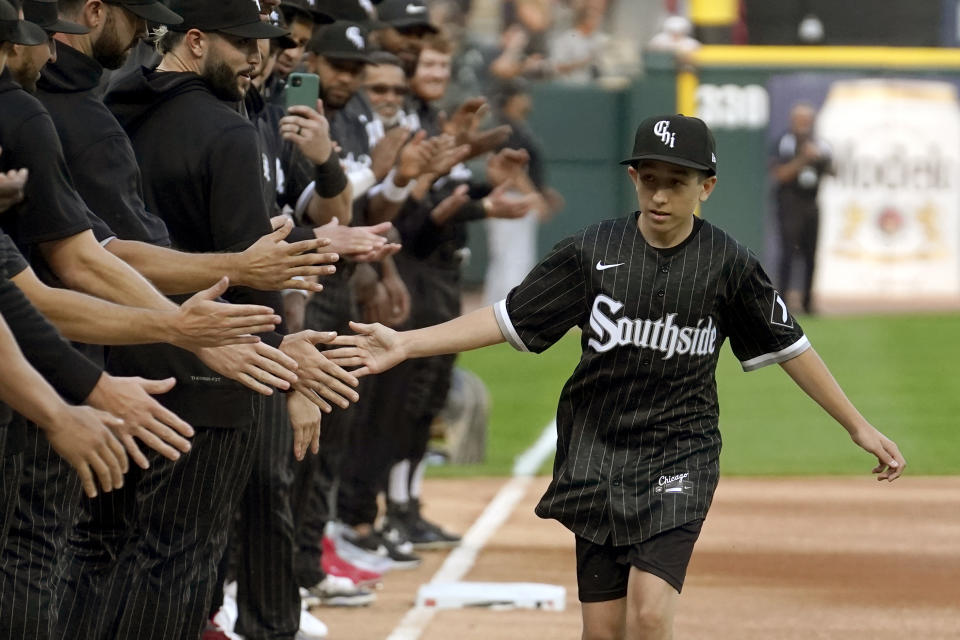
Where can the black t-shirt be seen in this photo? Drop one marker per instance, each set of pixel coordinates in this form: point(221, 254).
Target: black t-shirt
point(97, 151)
point(52, 209)
point(639, 443)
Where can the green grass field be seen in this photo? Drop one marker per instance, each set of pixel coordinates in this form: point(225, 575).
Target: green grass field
point(899, 370)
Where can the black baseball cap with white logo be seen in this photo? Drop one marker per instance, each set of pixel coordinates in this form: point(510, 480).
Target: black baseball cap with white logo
point(43, 13)
point(341, 41)
point(151, 10)
point(239, 18)
point(677, 139)
point(402, 14)
point(17, 31)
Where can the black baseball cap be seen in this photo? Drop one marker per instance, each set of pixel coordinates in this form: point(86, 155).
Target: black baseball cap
point(402, 14)
point(17, 31)
point(309, 8)
point(151, 10)
point(676, 139)
point(341, 40)
point(239, 18)
point(43, 13)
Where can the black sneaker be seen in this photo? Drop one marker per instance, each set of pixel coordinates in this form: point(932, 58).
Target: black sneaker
point(425, 534)
point(378, 544)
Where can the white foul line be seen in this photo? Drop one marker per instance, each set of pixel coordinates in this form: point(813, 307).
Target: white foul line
point(462, 559)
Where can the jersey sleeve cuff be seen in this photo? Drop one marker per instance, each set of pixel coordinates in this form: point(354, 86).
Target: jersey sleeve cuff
point(506, 326)
point(792, 351)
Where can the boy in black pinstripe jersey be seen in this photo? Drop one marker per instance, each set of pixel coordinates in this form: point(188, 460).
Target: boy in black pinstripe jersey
point(656, 293)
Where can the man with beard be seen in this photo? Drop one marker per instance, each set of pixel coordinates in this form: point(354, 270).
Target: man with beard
point(190, 181)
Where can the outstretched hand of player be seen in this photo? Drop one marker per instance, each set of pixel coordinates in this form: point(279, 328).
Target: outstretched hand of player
point(81, 435)
point(890, 462)
point(131, 399)
point(273, 264)
point(374, 349)
point(318, 378)
point(203, 322)
point(258, 366)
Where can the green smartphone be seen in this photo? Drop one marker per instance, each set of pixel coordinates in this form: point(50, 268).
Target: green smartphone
point(303, 89)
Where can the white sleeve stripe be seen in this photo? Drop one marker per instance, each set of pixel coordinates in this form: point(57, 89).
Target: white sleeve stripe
point(784, 354)
point(506, 326)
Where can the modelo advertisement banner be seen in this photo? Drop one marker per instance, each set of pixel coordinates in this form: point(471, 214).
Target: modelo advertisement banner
point(890, 216)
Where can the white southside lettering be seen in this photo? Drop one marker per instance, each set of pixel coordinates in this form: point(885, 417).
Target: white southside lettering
point(660, 334)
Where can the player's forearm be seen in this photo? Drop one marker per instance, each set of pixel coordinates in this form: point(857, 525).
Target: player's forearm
point(811, 374)
point(474, 330)
point(22, 388)
point(323, 210)
point(174, 272)
point(83, 318)
point(82, 264)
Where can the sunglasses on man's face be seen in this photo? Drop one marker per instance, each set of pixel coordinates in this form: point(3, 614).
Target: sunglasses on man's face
point(383, 89)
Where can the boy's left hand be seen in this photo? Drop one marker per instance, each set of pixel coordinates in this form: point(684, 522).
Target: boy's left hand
point(890, 461)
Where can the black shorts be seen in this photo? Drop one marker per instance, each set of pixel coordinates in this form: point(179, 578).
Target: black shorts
point(604, 569)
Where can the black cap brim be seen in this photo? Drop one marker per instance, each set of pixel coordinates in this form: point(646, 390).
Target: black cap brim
point(153, 11)
point(259, 30)
point(353, 57)
point(63, 26)
point(28, 34)
point(407, 23)
point(670, 159)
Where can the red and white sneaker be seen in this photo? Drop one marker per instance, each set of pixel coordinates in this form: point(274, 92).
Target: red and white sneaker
point(334, 564)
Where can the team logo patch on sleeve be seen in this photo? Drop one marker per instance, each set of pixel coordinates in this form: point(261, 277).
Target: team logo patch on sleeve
point(779, 314)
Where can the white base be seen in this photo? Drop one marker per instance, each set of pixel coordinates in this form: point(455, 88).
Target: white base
point(507, 595)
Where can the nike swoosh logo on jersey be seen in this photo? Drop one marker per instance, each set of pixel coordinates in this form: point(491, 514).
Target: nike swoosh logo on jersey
point(412, 8)
point(604, 267)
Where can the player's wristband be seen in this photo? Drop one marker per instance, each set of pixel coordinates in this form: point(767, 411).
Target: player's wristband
point(330, 179)
point(392, 192)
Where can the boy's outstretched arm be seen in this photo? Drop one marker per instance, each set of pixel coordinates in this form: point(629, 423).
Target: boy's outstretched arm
point(811, 374)
point(377, 348)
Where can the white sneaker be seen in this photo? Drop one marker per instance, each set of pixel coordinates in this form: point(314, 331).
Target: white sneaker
point(310, 627)
point(335, 591)
point(226, 616)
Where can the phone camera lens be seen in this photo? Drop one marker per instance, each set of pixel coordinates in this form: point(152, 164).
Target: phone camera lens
point(296, 82)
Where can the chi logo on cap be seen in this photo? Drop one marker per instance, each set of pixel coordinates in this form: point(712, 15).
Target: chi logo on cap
point(413, 9)
point(353, 35)
point(662, 129)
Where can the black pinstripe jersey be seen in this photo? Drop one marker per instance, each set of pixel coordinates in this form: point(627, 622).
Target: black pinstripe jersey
point(639, 444)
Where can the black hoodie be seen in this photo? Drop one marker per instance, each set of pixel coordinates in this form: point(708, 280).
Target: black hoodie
point(96, 149)
point(201, 168)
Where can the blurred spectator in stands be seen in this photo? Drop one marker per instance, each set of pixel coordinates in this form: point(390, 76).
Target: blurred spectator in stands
point(799, 162)
point(575, 54)
point(675, 38)
point(534, 18)
point(512, 243)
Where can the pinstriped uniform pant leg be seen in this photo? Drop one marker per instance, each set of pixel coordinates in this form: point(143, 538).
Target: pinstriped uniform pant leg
point(47, 502)
point(11, 466)
point(268, 599)
point(87, 567)
point(167, 574)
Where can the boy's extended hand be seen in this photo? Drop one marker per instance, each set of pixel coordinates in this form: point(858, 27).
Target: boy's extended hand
point(374, 349)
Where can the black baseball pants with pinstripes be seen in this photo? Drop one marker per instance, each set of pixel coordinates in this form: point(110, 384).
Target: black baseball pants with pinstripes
point(141, 564)
point(47, 501)
point(268, 598)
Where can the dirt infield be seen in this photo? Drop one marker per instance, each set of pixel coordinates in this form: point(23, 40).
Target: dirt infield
point(778, 559)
